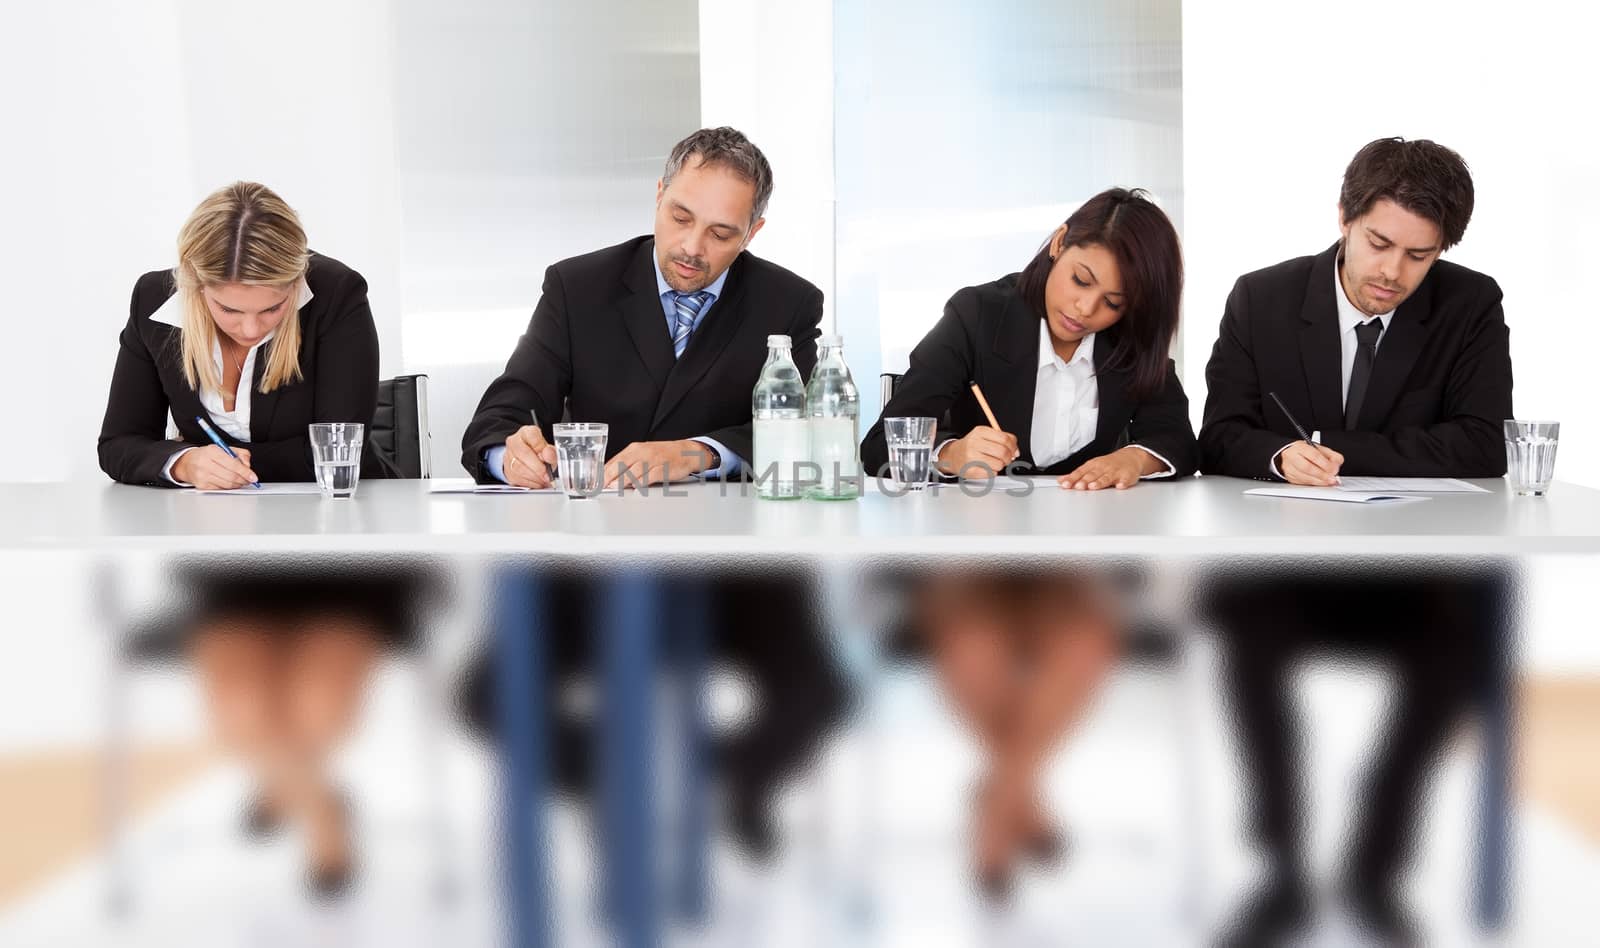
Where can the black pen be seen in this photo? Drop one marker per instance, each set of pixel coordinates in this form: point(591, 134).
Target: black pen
point(554, 472)
point(1297, 426)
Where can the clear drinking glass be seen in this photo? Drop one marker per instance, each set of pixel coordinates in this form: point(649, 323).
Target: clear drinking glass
point(581, 458)
point(910, 442)
point(1531, 455)
point(336, 455)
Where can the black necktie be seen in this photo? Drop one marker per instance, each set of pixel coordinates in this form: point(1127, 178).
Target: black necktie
point(1366, 350)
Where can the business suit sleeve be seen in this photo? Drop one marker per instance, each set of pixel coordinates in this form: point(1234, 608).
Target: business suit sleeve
point(133, 446)
point(1468, 440)
point(1162, 425)
point(344, 384)
point(941, 366)
point(1234, 438)
point(804, 328)
point(537, 378)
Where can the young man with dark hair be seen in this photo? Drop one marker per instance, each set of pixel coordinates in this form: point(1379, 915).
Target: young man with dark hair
point(1399, 363)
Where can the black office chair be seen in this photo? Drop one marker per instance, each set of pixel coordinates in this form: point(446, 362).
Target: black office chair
point(399, 436)
point(399, 433)
point(887, 383)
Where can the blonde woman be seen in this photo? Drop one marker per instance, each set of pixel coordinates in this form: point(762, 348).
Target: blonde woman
point(263, 337)
point(254, 331)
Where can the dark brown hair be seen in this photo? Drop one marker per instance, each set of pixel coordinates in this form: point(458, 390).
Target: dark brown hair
point(1142, 240)
point(1424, 177)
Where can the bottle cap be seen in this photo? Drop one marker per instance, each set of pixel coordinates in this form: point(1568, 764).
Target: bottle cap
point(776, 342)
point(831, 339)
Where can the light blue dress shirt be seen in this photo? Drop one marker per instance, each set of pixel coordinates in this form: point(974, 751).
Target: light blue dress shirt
point(494, 459)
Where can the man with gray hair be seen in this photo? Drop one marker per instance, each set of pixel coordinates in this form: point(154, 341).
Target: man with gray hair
point(661, 337)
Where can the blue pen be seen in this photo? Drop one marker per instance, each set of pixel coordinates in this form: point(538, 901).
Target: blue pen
point(216, 439)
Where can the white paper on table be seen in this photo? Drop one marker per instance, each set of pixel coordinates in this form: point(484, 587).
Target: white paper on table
point(1005, 483)
point(466, 485)
point(276, 487)
point(1410, 485)
point(976, 487)
point(1336, 494)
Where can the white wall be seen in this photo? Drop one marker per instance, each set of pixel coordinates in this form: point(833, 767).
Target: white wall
point(527, 131)
point(1279, 96)
point(120, 118)
point(966, 133)
point(767, 70)
point(90, 168)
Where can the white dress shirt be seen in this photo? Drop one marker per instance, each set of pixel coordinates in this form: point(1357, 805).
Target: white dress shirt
point(1066, 405)
point(1349, 319)
point(237, 422)
point(1066, 401)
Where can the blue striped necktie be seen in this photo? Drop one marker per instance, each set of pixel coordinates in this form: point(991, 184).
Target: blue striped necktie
point(686, 306)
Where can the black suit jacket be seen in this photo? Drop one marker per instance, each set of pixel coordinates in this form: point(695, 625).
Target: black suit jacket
point(1439, 390)
point(597, 350)
point(989, 335)
point(338, 361)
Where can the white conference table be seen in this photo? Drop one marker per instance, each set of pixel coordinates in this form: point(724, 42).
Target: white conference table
point(1208, 520)
point(1205, 517)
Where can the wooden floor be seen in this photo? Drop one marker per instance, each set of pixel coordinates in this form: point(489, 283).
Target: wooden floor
point(50, 806)
point(51, 809)
point(1560, 749)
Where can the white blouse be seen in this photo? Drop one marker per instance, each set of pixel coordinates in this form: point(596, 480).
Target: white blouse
point(237, 422)
point(1066, 401)
point(1066, 405)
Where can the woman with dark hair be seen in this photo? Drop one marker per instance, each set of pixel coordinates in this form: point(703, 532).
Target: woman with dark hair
point(1071, 355)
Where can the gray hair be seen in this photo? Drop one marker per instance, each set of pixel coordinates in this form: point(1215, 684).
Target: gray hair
point(728, 148)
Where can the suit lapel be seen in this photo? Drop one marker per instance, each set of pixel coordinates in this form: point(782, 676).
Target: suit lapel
point(646, 322)
point(1013, 374)
point(262, 407)
point(1398, 349)
point(1319, 347)
point(706, 345)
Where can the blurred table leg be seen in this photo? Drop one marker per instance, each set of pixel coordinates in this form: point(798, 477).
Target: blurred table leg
point(520, 703)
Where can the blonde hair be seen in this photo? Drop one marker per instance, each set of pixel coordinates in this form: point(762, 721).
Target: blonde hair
point(243, 233)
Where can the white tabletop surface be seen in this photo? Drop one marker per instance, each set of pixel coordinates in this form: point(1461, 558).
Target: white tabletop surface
point(1206, 516)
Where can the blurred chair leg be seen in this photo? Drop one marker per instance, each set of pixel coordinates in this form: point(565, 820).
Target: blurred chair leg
point(436, 709)
point(114, 776)
point(114, 786)
point(865, 899)
point(1492, 895)
point(520, 701)
point(629, 638)
point(1188, 698)
point(830, 866)
point(691, 642)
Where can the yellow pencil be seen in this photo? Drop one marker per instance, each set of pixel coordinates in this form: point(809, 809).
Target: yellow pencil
point(984, 404)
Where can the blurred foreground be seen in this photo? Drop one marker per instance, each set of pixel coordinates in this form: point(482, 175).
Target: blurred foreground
point(846, 824)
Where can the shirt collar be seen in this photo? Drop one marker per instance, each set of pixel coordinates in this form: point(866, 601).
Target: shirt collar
point(1349, 316)
point(1047, 349)
point(662, 288)
point(171, 312)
